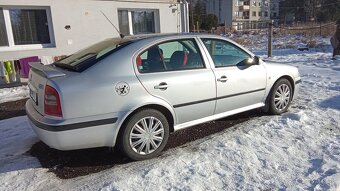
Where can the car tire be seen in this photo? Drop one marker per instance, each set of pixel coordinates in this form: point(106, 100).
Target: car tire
point(280, 97)
point(145, 135)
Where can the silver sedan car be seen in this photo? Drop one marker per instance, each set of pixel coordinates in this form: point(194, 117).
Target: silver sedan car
point(133, 92)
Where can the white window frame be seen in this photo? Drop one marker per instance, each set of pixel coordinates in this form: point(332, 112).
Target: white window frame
point(156, 18)
point(11, 45)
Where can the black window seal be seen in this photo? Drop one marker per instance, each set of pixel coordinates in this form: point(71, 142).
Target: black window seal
point(217, 39)
point(173, 40)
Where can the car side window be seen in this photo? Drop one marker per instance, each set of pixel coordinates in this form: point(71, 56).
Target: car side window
point(170, 56)
point(225, 53)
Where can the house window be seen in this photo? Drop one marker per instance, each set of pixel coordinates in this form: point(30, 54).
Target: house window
point(143, 22)
point(29, 26)
point(123, 18)
point(246, 15)
point(260, 4)
point(254, 13)
point(138, 21)
point(254, 3)
point(266, 14)
point(238, 14)
point(260, 14)
point(25, 28)
point(274, 15)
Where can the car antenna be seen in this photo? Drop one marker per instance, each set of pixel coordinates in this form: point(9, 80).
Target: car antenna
point(120, 34)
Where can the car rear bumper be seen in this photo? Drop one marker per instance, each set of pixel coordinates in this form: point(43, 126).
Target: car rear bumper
point(63, 135)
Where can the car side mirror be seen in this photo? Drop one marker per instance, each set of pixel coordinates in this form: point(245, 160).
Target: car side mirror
point(250, 61)
point(256, 60)
point(253, 61)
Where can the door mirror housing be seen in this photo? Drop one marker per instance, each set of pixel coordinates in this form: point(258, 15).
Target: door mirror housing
point(256, 60)
point(251, 61)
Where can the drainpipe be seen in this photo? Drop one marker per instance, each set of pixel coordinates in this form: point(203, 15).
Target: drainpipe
point(185, 15)
point(186, 7)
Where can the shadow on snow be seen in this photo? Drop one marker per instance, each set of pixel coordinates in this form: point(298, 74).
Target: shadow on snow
point(333, 103)
point(70, 164)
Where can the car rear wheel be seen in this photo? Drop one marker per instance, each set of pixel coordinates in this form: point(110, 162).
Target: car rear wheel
point(145, 135)
point(280, 97)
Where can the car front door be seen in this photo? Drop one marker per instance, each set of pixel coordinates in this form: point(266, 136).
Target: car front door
point(175, 72)
point(240, 85)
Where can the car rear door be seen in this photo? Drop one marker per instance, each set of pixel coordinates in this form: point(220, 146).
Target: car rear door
point(175, 72)
point(239, 85)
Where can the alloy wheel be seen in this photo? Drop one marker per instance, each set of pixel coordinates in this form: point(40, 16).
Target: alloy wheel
point(146, 135)
point(282, 97)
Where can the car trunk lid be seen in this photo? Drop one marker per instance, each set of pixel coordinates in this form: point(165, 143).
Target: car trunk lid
point(38, 76)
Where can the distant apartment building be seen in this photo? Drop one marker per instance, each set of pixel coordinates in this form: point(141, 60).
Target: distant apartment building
point(242, 14)
point(274, 10)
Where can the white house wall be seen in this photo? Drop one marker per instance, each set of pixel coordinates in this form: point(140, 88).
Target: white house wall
point(87, 23)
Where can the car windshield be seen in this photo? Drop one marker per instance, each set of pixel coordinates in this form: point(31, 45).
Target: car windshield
point(87, 57)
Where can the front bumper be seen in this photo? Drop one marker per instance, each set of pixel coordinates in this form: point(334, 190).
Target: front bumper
point(63, 135)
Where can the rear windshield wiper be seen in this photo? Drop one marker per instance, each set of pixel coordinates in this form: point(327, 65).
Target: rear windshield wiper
point(65, 66)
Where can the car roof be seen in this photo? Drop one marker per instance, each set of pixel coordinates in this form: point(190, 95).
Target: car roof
point(164, 35)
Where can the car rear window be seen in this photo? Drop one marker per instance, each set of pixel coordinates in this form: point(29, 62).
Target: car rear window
point(89, 56)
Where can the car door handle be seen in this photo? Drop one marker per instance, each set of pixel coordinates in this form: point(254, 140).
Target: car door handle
point(162, 86)
point(222, 79)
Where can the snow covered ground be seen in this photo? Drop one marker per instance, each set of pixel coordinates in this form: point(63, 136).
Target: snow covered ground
point(299, 150)
point(12, 94)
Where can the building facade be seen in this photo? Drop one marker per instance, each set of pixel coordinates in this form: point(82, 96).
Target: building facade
point(61, 27)
point(243, 14)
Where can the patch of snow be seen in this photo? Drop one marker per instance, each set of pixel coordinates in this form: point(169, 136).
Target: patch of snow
point(13, 94)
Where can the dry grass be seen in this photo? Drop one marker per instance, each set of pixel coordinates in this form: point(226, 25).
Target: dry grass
point(308, 30)
point(241, 40)
point(285, 37)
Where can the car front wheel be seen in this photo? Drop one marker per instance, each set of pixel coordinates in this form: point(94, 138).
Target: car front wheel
point(145, 135)
point(280, 97)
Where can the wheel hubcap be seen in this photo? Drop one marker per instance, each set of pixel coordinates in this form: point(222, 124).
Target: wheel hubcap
point(146, 135)
point(282, 97)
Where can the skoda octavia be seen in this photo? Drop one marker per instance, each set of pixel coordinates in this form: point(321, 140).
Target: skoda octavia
point(132, 92)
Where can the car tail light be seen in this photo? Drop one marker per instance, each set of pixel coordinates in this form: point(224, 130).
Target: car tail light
point(52, 104)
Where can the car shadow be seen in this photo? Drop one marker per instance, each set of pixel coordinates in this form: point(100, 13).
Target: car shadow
point(71, 164)
point(333, 103)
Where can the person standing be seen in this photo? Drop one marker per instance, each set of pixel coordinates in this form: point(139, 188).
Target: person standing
point(335, 41)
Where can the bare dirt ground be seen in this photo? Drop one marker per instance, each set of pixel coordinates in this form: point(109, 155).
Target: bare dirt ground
point(12, 109)
point(70, 164)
